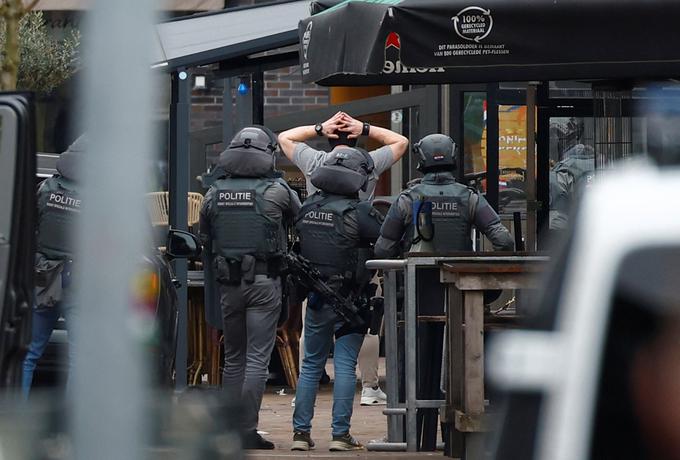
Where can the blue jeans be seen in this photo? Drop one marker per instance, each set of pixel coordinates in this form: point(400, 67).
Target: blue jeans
point(320, 325)
point(43, 322)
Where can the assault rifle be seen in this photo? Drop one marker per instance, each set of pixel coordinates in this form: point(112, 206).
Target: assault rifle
point(310, 278)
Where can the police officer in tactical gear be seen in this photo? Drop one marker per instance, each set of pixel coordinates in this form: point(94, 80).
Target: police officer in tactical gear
point(568, 178)
point(332, 225)
point(455, 208)
point(243, 226)
point(59, 204)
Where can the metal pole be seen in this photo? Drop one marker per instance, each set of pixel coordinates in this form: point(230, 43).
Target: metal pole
point(492, 163)
point(109, 382)
point(227, 113)
point(543, 160)
point(531, 168)
point(394, 428)
point(258, 97)
point(396, 125)
point(244, 106)
point(456, 129)
point(394, 410)
point(410, 367)
point(179, 188)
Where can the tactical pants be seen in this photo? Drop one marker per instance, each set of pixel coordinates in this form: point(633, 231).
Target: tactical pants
point(250, 313)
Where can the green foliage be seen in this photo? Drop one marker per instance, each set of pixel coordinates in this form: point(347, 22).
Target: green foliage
point(45, 63)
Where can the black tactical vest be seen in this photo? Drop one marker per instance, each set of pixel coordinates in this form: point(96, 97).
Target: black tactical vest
point(450, 214)
point(324, 240)
point(59, 210)
point(240, 225)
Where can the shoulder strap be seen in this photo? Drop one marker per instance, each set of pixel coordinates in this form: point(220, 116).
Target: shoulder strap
point(472, 205)
point(263, 184)
point(415, 192)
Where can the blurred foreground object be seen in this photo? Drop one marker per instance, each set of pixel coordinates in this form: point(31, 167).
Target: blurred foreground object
point(111, 380)
point(597, 378)
point(194, 425)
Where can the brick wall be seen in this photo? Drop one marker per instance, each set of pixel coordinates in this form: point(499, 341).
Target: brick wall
point(284, 92)
point(206, 108)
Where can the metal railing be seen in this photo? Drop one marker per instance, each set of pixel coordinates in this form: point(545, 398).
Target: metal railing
point(399, 413)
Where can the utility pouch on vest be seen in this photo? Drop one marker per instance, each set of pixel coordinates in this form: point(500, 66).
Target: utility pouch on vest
point(248, 268)
point(49, 288)
point(276, 266)
point(472, 206)
point(227, 271)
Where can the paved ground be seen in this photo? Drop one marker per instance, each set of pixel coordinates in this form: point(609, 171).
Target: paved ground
point(368, 423)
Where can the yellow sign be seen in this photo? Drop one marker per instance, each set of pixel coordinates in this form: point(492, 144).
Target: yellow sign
point(512, 139)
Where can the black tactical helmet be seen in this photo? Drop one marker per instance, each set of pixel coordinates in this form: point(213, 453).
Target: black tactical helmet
point(345, 172)
point(435, 151)
point(250, 153)
point(254, 137)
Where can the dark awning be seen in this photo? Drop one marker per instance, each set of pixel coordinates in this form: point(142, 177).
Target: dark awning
point(221, 35)
point(492, 40)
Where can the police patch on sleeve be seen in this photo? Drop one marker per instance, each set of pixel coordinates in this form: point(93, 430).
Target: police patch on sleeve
point(63, 202)
point(444, 207)
point(230, 199)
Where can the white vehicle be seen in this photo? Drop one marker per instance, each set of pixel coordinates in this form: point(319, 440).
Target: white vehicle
point(596, 378)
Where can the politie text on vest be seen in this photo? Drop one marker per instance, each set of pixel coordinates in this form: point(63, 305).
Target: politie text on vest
point(319, 218)
point(57, 200)
point(235, 198)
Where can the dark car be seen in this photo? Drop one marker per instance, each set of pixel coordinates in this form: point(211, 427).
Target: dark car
point(17, 245)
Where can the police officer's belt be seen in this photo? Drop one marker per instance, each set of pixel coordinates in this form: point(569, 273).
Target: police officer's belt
point(233, 271)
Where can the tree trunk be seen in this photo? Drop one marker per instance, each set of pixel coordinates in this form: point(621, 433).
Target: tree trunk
point(11, 11)
point(11, 62)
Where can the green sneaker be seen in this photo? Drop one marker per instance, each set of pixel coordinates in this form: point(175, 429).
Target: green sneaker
point(302, 441)
point(344, 443)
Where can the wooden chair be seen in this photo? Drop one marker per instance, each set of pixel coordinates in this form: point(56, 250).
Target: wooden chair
point(194, 208)
point(159, 207)
point(288, 354)
point(157, 204)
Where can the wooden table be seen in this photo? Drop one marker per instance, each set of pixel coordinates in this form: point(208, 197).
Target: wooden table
point(466, 279)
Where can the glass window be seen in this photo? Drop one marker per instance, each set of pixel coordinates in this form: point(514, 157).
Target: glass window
point(512, 158)
point(512, 149)
point(474, 133)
